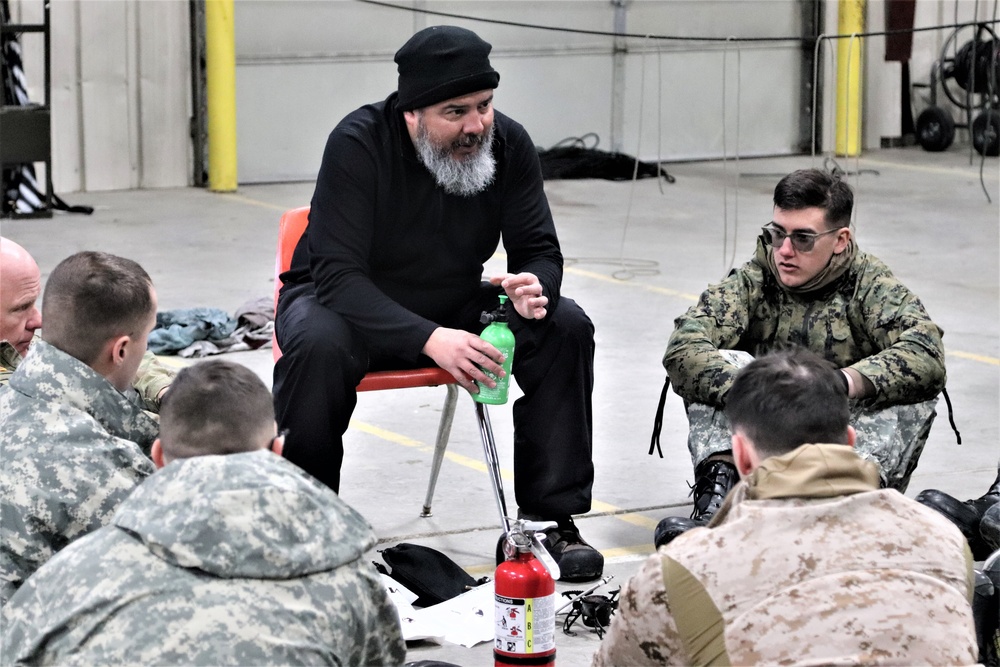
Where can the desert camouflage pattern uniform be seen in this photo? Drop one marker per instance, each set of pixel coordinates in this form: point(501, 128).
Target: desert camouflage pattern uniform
point(152, 376)
point(9, 360)
point(215, 560)
point(72, 447)
point(866, 320)
point(808, 562)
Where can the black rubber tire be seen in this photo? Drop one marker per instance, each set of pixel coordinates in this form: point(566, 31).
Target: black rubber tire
point(986, 133)
point(935, 129)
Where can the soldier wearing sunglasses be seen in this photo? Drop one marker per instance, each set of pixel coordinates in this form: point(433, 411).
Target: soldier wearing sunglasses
point(808, 284)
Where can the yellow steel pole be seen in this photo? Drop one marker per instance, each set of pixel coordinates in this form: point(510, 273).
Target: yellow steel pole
point(851, 20)
point(220, 89)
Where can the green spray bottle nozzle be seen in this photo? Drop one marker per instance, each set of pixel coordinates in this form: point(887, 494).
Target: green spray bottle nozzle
point(498, 315)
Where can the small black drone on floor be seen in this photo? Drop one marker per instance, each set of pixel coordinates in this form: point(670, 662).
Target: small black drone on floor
point(594, 609)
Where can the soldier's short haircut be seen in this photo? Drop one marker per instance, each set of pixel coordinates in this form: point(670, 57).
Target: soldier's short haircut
point(789, 398)
point(215, 407)
point(807, 188)
point(91, 297)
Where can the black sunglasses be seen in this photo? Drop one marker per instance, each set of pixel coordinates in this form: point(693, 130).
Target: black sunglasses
point(801, 241)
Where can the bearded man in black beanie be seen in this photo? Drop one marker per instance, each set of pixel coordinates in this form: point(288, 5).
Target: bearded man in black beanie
point(413, 196)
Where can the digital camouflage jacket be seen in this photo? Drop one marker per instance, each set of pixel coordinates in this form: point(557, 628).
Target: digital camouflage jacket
point(215, 560)
point(151, 378)
point(866, 320)
point(808, 563)
point(72, 447)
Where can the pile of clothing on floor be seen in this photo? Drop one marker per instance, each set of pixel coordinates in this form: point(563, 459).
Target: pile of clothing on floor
point(201, 332)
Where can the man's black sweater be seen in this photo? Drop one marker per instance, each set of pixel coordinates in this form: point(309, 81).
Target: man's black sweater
point(394, 254)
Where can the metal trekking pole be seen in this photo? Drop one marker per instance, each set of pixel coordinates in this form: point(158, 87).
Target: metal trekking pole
point(492, 463)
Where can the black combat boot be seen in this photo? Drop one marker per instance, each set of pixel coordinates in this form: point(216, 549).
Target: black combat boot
point(989, 529)
point(967, 516)
point(577, 560)
point(988, 499)
point(713, 478)
point(989, 521)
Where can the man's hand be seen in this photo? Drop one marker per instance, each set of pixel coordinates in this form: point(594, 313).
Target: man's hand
point(462, 354)
point(525, 293)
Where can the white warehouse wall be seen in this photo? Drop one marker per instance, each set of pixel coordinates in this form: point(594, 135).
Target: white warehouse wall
point(303, 65)
point(122, 83)
point(120, 91)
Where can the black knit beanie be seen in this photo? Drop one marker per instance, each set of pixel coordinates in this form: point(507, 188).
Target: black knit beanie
point(442, 62)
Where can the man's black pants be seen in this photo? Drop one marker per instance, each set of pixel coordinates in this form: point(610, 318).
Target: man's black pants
point(324, 359)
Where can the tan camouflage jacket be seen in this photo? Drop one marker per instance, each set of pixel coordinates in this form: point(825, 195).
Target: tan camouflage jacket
point(215, 560)
point(9, 359)
point(72, 447)
point(808, 562)
point(151, 378)
point(866, 320)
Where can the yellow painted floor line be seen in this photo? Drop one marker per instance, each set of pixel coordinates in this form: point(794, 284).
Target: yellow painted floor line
point(399, 439)
point(256, 202)
point(628, 283)
point(475, 464)
point(973, 357)
point(629, 553)
point(480, 570)
point(636, 552)
point(634, 519)
point(968, 172)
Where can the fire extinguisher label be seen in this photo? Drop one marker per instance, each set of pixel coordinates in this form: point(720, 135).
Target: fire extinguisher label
point(525, 625)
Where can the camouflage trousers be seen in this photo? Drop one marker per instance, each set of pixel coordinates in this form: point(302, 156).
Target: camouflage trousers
point(892, 437)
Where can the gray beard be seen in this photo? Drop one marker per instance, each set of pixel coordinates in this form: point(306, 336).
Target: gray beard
point(464, 178)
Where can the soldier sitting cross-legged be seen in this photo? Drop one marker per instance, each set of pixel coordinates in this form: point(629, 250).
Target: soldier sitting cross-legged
point(808, 284)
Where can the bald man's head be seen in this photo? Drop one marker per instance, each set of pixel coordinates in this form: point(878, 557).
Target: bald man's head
point(20, 285)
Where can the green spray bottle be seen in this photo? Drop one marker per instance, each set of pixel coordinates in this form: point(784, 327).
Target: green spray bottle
point(499, 335)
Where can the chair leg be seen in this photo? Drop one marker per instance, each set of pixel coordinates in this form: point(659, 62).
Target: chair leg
point(444, 432)
point(492, 462)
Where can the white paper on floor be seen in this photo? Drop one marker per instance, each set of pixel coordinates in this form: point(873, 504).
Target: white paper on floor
point(398, 593)
point(465, 620)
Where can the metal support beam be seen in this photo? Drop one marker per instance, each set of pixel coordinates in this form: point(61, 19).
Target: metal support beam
point(618, 77)
point(812, 27)
point(850, 21)
point(199, 98)
point(220, 65)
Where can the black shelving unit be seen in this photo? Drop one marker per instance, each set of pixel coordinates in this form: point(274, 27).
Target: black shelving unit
point(26, 130)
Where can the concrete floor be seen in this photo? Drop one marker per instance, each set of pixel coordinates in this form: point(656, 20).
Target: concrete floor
point(636, 258)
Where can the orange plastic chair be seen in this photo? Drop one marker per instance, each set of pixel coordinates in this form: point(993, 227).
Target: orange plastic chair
point(293, 223)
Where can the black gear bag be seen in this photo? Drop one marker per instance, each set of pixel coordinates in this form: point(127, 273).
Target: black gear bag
point(432, 575)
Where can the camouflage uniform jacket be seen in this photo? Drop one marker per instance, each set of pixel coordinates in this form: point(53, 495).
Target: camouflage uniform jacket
point(71, 448)
point(9, 360)
point(866, 320)
point(215, 560)
point(151, 378)
point(807, 562)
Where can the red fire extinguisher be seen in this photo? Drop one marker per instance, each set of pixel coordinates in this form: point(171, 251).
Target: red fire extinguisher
point(525, 593)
